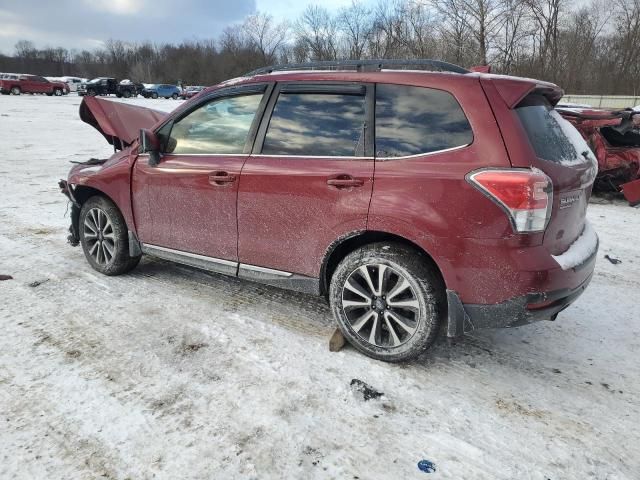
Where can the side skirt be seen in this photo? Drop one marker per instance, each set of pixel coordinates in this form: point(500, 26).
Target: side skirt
point(268, 276)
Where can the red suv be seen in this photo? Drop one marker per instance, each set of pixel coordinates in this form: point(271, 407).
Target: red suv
point(18, 84)
point(410, 199)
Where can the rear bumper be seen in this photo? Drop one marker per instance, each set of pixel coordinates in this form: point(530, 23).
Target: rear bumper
point(516, 311)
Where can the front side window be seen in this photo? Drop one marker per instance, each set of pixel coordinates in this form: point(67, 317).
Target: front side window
point(414, 120)
point(316, 124)
point(219, 127)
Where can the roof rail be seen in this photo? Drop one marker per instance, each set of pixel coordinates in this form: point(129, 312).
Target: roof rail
point(364, 66)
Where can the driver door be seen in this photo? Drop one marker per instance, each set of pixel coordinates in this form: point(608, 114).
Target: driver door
point(186, 204)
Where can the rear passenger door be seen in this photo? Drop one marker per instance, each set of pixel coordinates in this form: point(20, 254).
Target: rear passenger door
point(26, 84)
point(42, 85)
point(308, 181)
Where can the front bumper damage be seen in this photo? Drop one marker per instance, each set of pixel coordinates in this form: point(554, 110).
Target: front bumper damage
point(74, 235)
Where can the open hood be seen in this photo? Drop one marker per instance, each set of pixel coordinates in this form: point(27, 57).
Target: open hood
point(120, 123)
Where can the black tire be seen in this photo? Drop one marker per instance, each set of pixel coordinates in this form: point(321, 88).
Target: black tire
point(16, 91)
point(117, 236)
point(57, 92)
point(126, 94)
point(393, 344)
point(174, 96)
point(154, 95)
point(91, 93)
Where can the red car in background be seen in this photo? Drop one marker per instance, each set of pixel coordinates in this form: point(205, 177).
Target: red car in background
point(411, 200)
point(614, 137)
point(191, 92)
point(32, 84)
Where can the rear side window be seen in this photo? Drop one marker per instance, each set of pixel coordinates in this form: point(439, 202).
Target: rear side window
point(552, 137)
point(414, 120)
point(316, 124)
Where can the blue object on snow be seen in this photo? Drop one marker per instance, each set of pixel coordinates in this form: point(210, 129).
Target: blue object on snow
point(426, 466)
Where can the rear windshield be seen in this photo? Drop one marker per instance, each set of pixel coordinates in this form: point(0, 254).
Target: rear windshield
point(553, 138)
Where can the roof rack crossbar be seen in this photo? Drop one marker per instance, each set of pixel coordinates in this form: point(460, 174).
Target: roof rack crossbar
point(363, 66)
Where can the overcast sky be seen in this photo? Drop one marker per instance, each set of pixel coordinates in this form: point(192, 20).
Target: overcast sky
point(85, 24)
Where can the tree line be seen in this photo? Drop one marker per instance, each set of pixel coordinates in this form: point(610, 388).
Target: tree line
point(591, 48)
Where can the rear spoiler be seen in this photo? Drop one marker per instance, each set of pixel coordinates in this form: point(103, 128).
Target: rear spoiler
point(118, 122)
point(513, 89)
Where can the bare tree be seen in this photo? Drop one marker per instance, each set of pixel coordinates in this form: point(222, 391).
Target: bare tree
point(512, 34)
point(25, 49)
point(267, 36)
point(547, 15)
point(454, 30)
point(316, 31)
point(485, 18)
point(355, 24)
point(590, 48)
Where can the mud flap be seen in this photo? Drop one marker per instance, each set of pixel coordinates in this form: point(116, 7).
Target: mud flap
point(458, 321)
point(135, 250)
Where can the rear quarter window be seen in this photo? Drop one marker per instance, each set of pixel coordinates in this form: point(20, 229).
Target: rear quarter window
point(416, 120)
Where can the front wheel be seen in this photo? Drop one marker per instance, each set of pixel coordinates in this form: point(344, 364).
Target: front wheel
point(57, 92)
point(384, 299)
point(154, 95)
point(15, 91)
point(104, 237)
point(174, 96)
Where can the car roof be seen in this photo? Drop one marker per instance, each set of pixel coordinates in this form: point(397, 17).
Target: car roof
point(511, 88)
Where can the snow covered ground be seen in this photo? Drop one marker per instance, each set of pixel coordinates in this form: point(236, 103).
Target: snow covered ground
point(173, 373)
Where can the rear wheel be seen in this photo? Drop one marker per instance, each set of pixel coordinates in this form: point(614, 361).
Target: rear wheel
point(154, 95)
point(15, 91)
point(126, 94)
point(384, 298)
point(104, 237)
point(174, 96)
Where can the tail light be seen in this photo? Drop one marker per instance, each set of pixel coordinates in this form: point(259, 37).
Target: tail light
point(525, 195)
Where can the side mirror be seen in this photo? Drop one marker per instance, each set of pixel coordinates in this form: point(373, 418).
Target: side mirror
point(150, 143)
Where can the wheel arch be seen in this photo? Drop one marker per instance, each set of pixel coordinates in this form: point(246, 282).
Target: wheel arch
point(82, 193)
point(347, 244)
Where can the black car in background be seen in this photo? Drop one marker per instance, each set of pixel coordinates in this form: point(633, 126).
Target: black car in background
point(110, 86)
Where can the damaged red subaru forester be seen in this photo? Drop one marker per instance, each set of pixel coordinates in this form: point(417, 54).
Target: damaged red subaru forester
point(414, 195)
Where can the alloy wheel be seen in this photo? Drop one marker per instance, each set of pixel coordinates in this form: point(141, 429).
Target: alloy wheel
point(381, 305)
point(99, 236)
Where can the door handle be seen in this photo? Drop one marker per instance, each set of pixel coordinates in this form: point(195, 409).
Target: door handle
point(345, 181)
point(221, 178)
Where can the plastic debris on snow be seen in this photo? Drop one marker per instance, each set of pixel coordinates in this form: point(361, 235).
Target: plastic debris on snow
point(367, 392)
point(426, 466)
point(613, 260)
